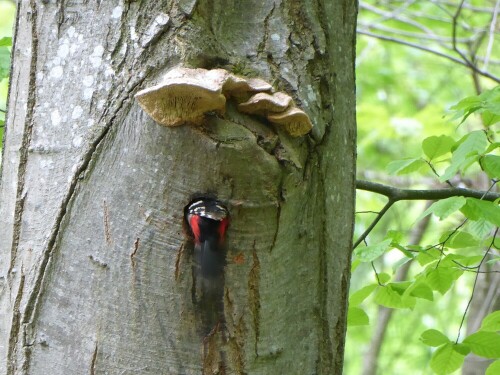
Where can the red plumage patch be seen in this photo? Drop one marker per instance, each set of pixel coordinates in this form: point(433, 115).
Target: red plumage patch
point(222, 229)
point(195, 227)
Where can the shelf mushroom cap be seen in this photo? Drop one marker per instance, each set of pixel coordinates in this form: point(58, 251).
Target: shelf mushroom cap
point(294, 120)
point(184, 96)
point(263, 103)
point(240, 88)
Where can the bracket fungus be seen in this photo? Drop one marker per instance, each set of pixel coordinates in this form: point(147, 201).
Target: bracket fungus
point(185, 95)
point(263, 103)
point(294, 120)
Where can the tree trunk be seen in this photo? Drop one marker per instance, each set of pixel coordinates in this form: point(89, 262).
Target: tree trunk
point(95, 262)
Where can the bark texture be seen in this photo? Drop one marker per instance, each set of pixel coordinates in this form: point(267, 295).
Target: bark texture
point(95, 271)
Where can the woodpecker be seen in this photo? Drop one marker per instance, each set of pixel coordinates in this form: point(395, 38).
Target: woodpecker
point(208, 220)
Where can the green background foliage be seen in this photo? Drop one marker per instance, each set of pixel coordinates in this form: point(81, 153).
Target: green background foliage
point(417, 110)
point(7, 11)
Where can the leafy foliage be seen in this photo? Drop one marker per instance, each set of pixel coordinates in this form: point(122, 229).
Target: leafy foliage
point(441, 263)
point(7, 10)
point(5, 43)
point(402, 95)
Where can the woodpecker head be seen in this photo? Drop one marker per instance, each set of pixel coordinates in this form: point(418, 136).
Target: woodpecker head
point(208, 220)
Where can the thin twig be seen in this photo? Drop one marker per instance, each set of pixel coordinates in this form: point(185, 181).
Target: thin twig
point(491, 36)
point(437, 174)
point(376, 274)
point(466, 63)
point(442, 40)
point(474, 286)
point(374, 222)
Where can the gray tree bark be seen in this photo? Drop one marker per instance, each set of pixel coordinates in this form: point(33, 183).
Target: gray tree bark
point(95, 272)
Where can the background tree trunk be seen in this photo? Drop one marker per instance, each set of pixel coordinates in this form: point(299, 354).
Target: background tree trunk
point(95, 272)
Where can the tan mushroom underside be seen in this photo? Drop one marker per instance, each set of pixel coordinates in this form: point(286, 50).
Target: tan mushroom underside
point(186, 95)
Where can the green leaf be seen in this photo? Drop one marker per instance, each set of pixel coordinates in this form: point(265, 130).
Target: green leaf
point(469, 261)
point(473, 142)
point(476, 209)
point(484, 344)
point(491, 322)
point(460, 240)
point(490, 118)
point(468, 148)
point(488, 102)
point(389, 296)
point(491, 165)
point(372, 252)
point(433, 337)
point(492, 146)
point(6, 41)
point(442, 278)
point(395, 235)
point(446, 359)
point(494, 260)
point(383, 277)
point(406, 252)
point(4, 62)
point(428, 256)
point(405, 166)
point(461, 348)
point(480, 228)
point(357, 317)
point(360, 295)
point(402, 262)
point(355, 264)
point(444, 207)
point(421, 290)
point(436, 146)
point(400, 286)
point(491, 100)
point(493, 369)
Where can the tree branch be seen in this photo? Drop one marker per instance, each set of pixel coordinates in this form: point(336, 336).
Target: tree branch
point(395, 194)
point(465, 62)
point(374, 222)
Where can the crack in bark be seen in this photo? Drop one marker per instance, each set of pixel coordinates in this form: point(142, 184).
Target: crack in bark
point(107, 227)
point(20, 197)
point(278, 215)
point(26, 140)
point(19, 209)
point(237, 343)
point(254, 296)
point(262, 45)
point(213, 361)
point(325, 353)
point(341, 325)
point(15, 327)
point(134, 252)
point(93, 360)
point(178, 261)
